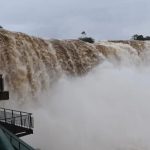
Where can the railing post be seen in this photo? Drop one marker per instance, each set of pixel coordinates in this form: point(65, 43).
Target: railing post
point(5, 115)
point(21, 118)
point(19, 145)
point(30, 121)
point(13, 121)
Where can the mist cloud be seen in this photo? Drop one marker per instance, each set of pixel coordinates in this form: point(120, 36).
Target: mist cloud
point(107, 109)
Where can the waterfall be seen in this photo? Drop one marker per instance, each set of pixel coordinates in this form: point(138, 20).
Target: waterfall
point(31, 64)
point(83, 96)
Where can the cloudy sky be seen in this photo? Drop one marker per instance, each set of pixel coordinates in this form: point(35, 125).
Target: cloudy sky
point(66, 19)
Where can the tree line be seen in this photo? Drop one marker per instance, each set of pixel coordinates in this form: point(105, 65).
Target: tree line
point(140, 37)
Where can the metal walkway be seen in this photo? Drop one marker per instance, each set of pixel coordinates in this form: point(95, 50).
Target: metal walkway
point(18, 122)
point(16, 143)
point(13, 124)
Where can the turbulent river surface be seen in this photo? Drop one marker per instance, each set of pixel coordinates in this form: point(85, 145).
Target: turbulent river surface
point(84, 96)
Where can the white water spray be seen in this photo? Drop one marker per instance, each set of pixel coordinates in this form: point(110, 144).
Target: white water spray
point(108, 109)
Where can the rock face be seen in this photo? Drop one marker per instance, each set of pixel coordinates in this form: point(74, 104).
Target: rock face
point(31, 64)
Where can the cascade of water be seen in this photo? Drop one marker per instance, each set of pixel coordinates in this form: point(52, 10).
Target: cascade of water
point(106, 109)
point(32, 64)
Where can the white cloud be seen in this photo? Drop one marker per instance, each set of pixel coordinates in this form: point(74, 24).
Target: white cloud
point(102, 19)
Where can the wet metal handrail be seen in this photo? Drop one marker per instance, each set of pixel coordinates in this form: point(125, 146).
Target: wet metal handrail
point(18, 118)
point(15, 141)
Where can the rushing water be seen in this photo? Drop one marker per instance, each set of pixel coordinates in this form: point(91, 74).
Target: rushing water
point(83, 96)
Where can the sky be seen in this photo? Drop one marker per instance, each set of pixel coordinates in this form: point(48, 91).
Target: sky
point(66, 19)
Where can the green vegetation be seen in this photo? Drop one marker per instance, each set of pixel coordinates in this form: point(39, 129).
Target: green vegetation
point(85, 38)
point(140, 37)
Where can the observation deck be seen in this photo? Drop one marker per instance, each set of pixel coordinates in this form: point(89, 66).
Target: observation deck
point(13, 124)
point(18, 122)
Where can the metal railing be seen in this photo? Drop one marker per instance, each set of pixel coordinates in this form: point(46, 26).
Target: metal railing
point(17, 143)
point(18, 118)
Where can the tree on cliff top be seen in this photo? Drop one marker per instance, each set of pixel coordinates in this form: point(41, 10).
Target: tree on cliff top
point(140, 37)
point(85, 38)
